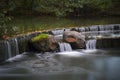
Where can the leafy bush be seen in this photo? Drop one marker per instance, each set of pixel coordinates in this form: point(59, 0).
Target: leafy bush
point(56, 7)
point(6, 30)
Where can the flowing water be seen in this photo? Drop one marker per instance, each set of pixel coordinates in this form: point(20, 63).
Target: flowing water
point(81, 64)
point(74, 65)
point(65, 47)
point(91, 44)
point(8, 49)
point(17, 47)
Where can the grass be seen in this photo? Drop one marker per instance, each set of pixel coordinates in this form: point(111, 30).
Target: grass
point(30, 24)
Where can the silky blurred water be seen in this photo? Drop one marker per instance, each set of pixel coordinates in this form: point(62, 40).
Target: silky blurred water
point(83, 65)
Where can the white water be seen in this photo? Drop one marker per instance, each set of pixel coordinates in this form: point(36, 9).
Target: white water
point(18, 57)
point(16, 46)
point(82, 29)
point(94, 28)
point(58, 37)
point(8, 48)
point(65, 47)
point(99, 28)
point(57, 32)
point(91, 44)
point(71, 54)
point(60, 31)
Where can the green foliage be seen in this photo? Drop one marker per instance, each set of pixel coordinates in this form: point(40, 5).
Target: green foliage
point(5, 7)
point(56, 7)
point(6, 30)
point(40, 37)
point(101, 4)
point(3, 26)
point(59, 8)
point(65, 7)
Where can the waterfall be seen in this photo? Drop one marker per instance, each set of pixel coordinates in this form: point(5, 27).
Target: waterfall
point(57, 32)
point(58, 37)
point(16, 46)
point(99, 28)
point(91, 44)
point(65, 47)
point(8, 49)
point(93, 28)
point(82, 29)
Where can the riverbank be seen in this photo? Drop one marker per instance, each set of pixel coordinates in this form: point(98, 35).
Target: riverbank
point(27, 24)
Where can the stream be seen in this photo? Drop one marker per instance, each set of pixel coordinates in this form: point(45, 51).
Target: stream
point(74, 65)
point(99, 61)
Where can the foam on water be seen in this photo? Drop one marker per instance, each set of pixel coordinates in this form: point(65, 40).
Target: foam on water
point(17, 58)
point(71, 53)
point(89, 51)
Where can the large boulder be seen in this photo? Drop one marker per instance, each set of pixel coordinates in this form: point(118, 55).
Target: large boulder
point(76, 39)
point(44, 43)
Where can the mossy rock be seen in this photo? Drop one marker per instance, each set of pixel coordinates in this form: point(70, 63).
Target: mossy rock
point(44, 43)
point(40, 37)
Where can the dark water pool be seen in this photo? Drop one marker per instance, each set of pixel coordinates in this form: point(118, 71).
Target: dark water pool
point(83, 65)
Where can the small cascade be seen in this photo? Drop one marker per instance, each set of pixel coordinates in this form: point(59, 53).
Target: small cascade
point(58, 37)
point(91, 44)
point(82, 29)
point(57, 32)
point(16, 46)
point(93, 28)
point(65, 47)
point(8, 49)
point(99, 28)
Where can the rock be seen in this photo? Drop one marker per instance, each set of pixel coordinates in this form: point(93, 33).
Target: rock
point(44, 43)
point(76, 39)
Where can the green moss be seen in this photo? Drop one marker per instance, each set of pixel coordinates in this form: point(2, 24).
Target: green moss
point(40, 37)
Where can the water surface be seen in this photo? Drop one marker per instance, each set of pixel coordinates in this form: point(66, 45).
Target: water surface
point(86, 65)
